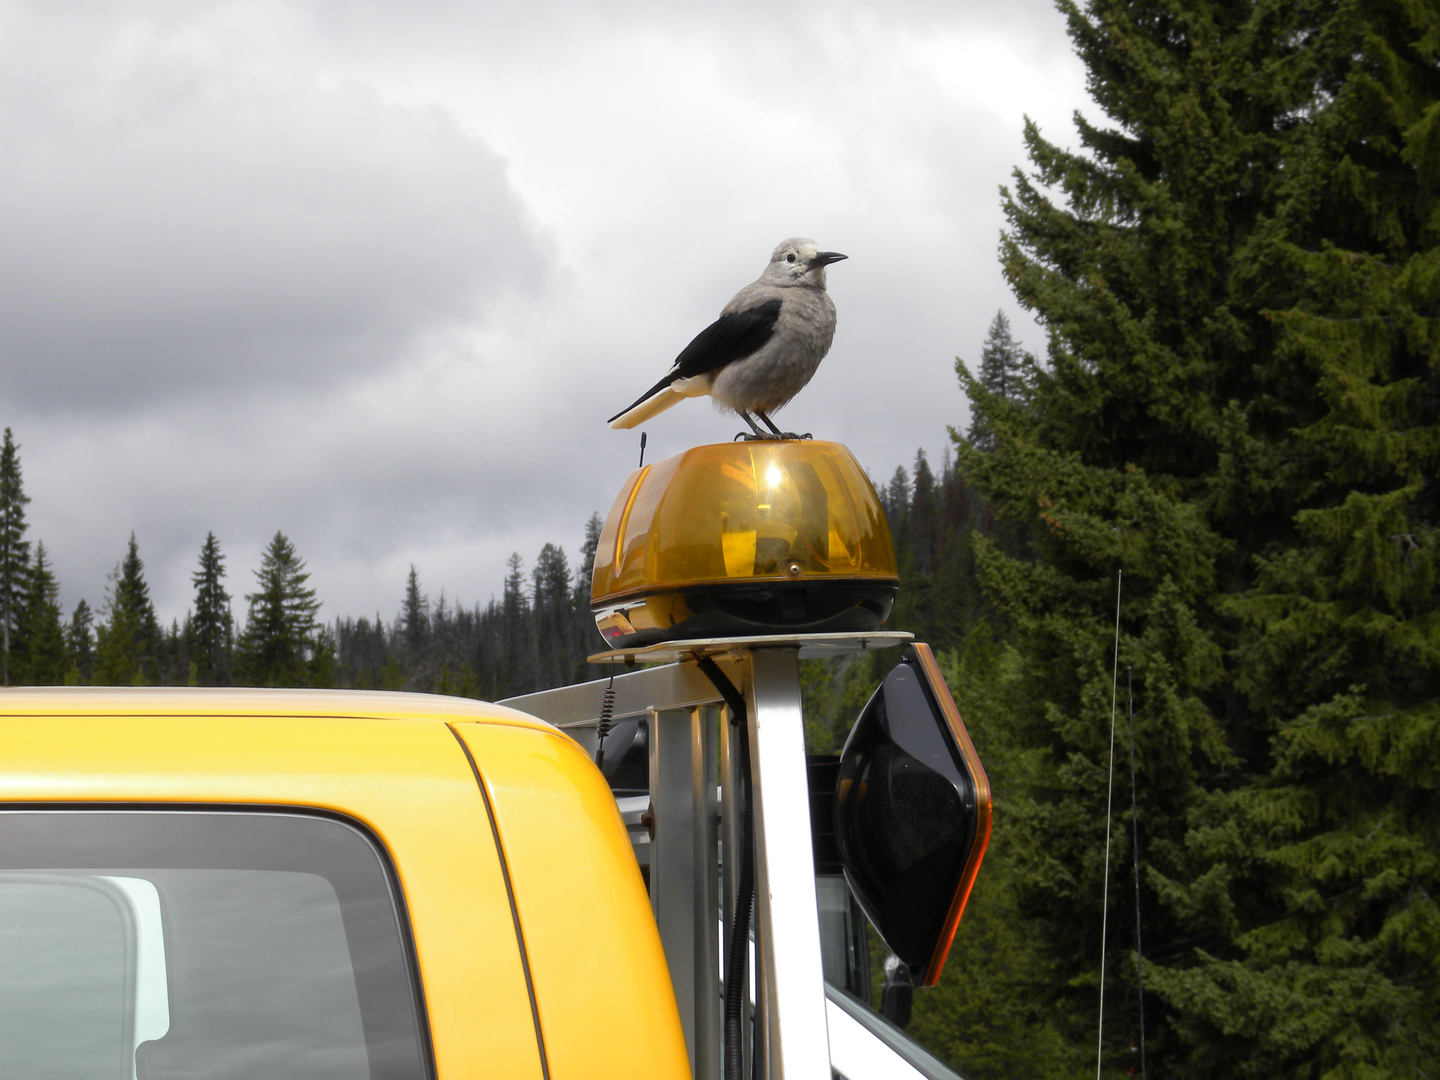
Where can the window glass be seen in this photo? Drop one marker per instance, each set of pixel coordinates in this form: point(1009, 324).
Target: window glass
point(62, 978)
point(205, 945)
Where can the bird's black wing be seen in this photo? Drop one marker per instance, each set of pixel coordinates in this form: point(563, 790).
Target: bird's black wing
point(731, 337)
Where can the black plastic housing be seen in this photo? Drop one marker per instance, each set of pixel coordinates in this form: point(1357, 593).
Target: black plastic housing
point(912, 813)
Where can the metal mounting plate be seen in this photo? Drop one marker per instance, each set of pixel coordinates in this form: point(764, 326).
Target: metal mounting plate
point(811, 646)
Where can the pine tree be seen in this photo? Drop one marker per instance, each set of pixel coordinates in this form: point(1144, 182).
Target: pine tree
point(44, 658)
point(587, 639)
point(585, 567)
point(211, 627)
point(173, 663)
point(1005, 374)
point(414, 620)
point(14, 549)
point(446, 637)
point(128, 641)
point(555, 650)
point(80, 640)
point(1239, 410)
point(1338, 657)
point(281, 643)
point(924, 517)
point(517, 659)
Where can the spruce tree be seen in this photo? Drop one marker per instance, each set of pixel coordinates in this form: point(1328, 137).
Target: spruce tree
point(1005, 373)
point(44, 658)
point(281, 638)
point(446, 643)
point(80, 640)
point(555, 651)
point(128, 640)
point(1338, 654)
point(585, 567)
point(924, 517)
point(1239, 411)
point(517, 654)
point(414, 619)
point(583, 633)
point(14, 549)
point(211, 627)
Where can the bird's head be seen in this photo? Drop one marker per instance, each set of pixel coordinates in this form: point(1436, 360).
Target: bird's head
point(799, 261)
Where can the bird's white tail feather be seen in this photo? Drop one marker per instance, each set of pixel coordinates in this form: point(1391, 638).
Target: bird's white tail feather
point(655, 404)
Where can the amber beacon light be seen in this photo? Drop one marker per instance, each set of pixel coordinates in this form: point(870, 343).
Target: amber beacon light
point(744, 538)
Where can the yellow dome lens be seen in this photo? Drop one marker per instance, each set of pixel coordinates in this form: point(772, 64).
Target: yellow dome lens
point(736, 538)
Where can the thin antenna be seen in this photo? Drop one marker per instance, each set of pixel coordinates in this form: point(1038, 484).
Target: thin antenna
point(1109, 798)
point(1135, 845)
point(642, 451)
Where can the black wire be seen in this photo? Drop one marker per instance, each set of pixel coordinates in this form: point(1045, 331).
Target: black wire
point(1135, 830)
point(736, 979)
point(607, 710)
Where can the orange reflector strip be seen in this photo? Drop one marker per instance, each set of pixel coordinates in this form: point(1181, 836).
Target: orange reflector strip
point(937, 685)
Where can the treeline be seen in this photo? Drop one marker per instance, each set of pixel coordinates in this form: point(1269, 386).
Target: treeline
point(1224, 481)
point(281, 642)
point(536, 634)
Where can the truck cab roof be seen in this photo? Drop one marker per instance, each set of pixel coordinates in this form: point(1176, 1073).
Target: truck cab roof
point(491, 830)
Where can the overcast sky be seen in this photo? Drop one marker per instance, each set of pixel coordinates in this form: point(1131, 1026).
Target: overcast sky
point(374, 274)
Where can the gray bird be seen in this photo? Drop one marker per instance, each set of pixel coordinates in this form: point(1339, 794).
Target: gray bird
point(762, 350)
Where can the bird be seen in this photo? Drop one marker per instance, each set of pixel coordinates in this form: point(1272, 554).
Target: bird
point(761, 351)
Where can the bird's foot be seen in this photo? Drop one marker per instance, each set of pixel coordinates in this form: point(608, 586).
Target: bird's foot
point(775, 431)
point(759, 436)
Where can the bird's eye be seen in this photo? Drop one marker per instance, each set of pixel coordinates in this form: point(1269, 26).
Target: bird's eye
point(790, 258)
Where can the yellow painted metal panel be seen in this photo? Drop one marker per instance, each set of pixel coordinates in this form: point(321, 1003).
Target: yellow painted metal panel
point(408, 781)
point(250, 701)
point(584, 914)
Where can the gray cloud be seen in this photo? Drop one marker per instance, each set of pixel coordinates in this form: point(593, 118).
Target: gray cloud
point(263, 268)
point(174, 225)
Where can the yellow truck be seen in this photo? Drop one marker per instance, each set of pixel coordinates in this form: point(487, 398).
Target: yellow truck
point(202, 883)
point(635, 877)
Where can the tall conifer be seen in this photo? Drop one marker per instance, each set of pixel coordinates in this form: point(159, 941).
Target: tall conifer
point(1240, 412)
point(414, 618)
point(44, 658)
point(128, 640)
point(550, 607)
point(80, 641)
point(14, 549)
point(282, 638)
point(211, 628)
point(1005, 373)
point(517, 655)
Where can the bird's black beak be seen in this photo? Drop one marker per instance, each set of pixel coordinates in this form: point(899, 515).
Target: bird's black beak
point(825, 258)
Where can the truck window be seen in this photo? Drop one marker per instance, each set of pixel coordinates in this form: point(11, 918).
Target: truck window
point(154, 943)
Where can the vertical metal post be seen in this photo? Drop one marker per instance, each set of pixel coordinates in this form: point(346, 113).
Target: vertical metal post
point(731, 826)
point(704, 1063)
point(793, 982)
point(729, 817)
point(672, 857)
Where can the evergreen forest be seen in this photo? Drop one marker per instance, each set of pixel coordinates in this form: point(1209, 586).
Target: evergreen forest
point(1180, 565)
